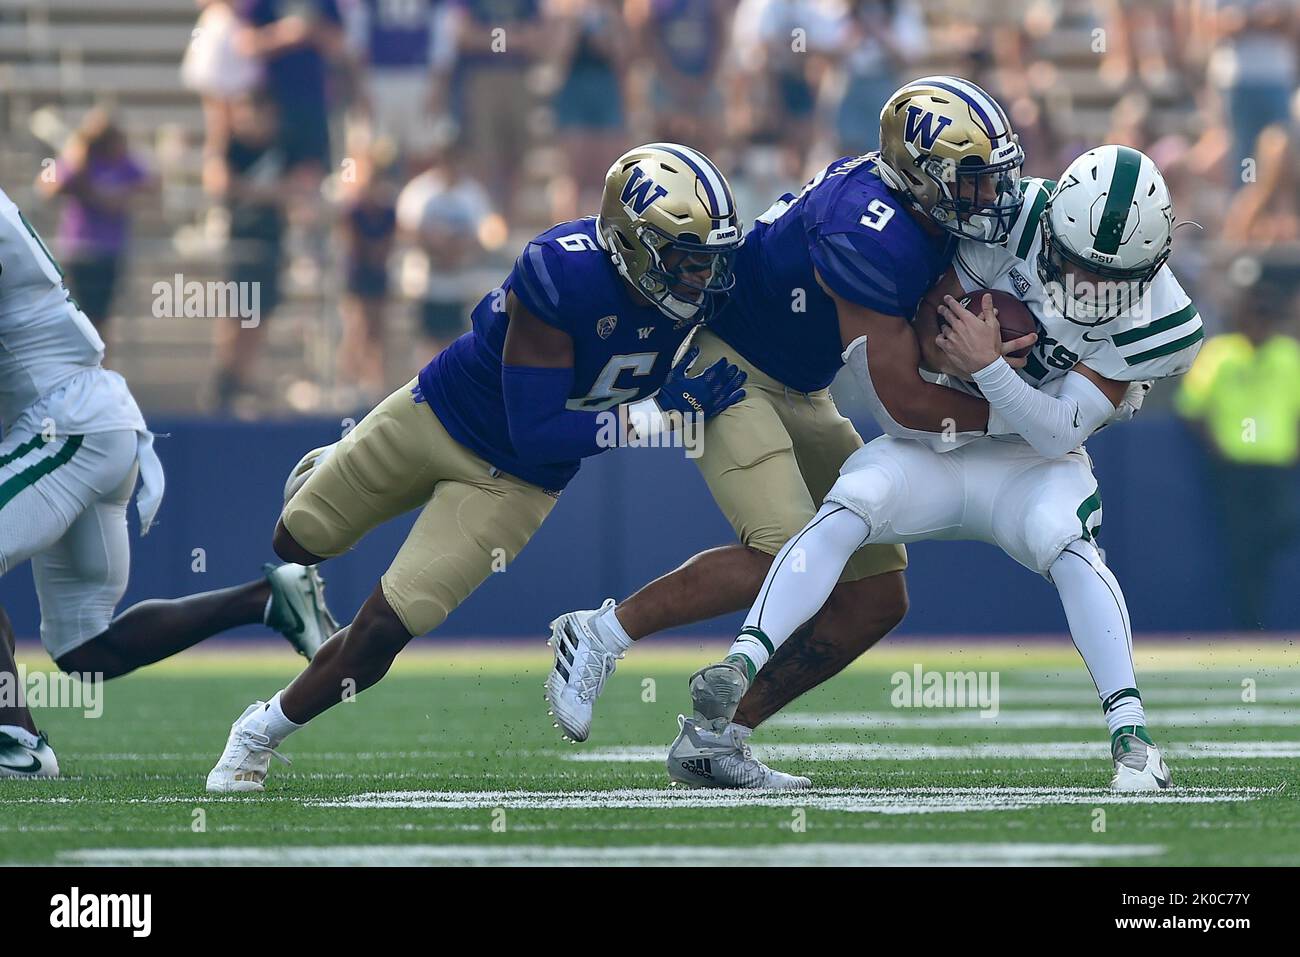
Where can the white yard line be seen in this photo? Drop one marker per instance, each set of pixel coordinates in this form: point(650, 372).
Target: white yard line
point(1083, 717)
point(780, 855)
point(923, 800)
point(1013, 696)
point(1001, 750)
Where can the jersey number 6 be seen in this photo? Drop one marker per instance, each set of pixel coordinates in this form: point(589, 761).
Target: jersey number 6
point(604, 394)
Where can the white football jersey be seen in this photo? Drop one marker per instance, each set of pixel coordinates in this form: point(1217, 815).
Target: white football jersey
point(1159, 337)
point(46, 342)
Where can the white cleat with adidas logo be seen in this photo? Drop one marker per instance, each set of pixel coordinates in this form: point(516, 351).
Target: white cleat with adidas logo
point(247, 758)
point(583, 663)
point(702, 758)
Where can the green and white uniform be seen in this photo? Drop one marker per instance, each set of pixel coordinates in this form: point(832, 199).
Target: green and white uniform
point(1034, 497)
point(74, 442)
point(997, 488)
point(1158, 338)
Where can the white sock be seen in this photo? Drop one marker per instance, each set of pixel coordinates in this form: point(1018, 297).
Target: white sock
point(800, 580)
point(612, 632)
point(1099, 624)
point(277, 726)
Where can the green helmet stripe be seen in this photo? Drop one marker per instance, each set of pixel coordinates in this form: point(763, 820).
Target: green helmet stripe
point(1119, 200)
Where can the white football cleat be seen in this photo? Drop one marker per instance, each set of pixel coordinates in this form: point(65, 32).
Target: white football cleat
point(701, 758)
point(26, 755)
point(247, 758)
point(1138, 764)
point(583, 663)
point(297, 609)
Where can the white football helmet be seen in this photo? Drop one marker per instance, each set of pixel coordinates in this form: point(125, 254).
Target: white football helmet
point(1107, 230)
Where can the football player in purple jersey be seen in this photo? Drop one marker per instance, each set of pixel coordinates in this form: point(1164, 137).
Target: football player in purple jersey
point(848, 260)
point(574, 353)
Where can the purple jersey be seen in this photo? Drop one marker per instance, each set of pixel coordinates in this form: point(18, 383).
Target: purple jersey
point(623, 347)
point(86, 229)
point(849, 229)
point(296, 76)
point(400, 35)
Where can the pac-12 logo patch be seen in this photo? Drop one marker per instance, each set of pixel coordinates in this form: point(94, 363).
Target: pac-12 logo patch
point(1022, 284)
point(605, 326)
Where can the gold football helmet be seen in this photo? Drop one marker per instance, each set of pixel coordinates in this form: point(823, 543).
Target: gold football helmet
point(948, 147)
point(668, 220)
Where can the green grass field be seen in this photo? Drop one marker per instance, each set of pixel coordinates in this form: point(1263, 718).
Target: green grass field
point(453, 760)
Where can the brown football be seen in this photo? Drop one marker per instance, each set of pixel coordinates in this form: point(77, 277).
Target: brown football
point(1013, 315)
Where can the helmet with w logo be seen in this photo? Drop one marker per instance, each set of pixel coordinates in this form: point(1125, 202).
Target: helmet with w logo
point(668, 221)
point(948, 147)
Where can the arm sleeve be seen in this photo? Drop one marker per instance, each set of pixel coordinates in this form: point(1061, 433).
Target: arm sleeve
point(1053, 424)
point(541, 428)
point(536, 281)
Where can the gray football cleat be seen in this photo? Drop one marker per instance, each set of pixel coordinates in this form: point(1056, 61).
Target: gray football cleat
point(1138, 763)
point(298, 610)
point(716, 691)
point(702, 758)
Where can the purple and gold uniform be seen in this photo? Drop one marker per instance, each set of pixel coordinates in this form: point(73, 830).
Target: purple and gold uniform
point(623, 347)
point(771, 459)
point(483, 446)
point(848, 227)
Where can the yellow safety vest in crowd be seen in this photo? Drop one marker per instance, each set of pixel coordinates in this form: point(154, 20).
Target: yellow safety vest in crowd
point(1249, 398)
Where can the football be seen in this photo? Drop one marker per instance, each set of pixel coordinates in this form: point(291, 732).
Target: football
point(1013, 316)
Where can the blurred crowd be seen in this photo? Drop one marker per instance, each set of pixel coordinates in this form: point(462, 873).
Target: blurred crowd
point(397, 146)
point(393, 154)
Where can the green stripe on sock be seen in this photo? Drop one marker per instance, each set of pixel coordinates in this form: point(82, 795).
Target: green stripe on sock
point(1138, 731)
point(1118, 696)
point(759, 636)
point(38, 470)
point(743, 660)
